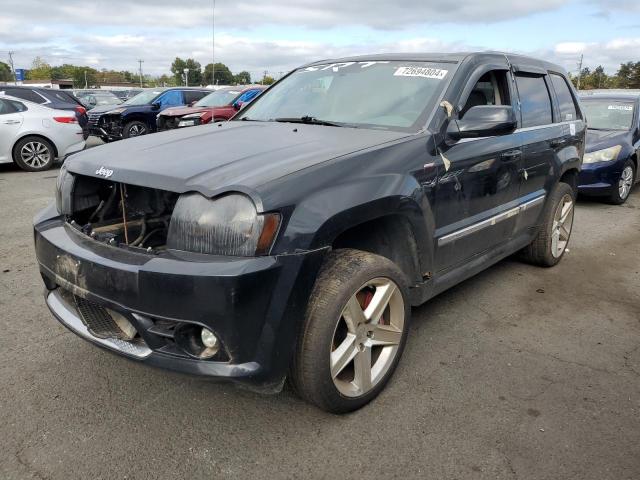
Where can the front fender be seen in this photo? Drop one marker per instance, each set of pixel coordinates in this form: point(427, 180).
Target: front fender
point(321, 217)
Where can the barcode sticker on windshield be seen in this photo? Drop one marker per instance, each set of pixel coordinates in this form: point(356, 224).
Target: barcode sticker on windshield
point(627, 108)
point(424, 72)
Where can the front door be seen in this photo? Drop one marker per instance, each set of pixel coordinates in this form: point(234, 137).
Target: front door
point(478, 183)
point(10, 121)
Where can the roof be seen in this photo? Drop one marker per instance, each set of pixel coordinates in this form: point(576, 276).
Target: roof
point(456, 57)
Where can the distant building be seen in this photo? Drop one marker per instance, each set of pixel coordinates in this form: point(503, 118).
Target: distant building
point(66, 84)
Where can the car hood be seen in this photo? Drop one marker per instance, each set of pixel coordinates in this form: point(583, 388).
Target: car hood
point(181, 111)
point(212, 159)
point(600, 139)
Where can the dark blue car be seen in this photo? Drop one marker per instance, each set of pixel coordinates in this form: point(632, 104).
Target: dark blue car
point(137, 116)
point(610, 163)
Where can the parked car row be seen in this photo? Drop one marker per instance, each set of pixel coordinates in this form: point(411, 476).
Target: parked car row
point(291, 242)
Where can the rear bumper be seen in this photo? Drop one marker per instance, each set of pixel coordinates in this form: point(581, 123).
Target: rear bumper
point(253, 305)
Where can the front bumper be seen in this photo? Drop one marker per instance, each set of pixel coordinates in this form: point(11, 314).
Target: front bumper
point(253, 305)
point(600, 178)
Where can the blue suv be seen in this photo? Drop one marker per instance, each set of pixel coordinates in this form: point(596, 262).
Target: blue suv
point(137, 116)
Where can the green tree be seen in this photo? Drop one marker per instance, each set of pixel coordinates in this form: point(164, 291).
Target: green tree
point(242, 78)
point(5, 73)
point(195, 71)
point(222, 73)
point(40, 70)
point(267, 80)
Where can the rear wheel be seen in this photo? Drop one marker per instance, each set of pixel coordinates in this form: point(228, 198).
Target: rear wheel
point(354, 331)
point(135, 129)
point(552, 238)
point(621, 191)
point(34, 154)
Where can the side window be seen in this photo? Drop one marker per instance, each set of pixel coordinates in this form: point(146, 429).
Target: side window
point(172, 98)
point(5, 107)
point(10, 106)
point(535, 101)
point(25, 94)
point(193, 96)
point(566, 103)
point(490, 89)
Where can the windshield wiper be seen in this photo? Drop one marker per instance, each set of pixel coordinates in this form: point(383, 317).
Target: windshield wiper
point(309, 120)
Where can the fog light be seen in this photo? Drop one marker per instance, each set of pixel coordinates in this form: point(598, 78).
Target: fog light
point(209, 340)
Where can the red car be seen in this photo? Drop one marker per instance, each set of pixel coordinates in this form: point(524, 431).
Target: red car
point(218, 106)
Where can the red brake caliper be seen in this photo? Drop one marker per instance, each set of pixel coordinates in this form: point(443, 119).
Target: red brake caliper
point(364, 303)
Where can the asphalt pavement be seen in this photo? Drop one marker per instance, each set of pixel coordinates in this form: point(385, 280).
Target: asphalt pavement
point(518, 373)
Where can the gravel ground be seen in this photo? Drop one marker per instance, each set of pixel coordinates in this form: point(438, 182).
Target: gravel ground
point(520, 372)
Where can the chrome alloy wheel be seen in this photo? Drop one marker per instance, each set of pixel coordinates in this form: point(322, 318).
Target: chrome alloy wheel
point(35, 154)
point(367, 336)
point(625, 183)
point(562, 223)
point(137, 130)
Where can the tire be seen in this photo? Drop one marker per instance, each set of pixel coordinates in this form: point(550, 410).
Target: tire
point(135, 128)
point(620, 192)
point(349, 281)
point(552, 239)
point(34, 154)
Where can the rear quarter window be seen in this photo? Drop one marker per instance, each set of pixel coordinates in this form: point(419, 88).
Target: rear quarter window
point(25, 94)
point(535, 102)
point(566, 103)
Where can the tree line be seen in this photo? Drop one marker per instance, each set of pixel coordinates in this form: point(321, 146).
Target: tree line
point(90, 77)
point(627, 76)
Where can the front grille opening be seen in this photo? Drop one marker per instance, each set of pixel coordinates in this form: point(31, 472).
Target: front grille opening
point(104, 323)
point(121, 214)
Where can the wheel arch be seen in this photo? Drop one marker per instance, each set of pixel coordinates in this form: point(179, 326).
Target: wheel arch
point(38, 135)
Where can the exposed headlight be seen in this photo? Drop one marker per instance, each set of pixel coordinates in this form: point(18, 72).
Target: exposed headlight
point(227, 225)
point(116, 111)
point(64, 187)
point(605, 155)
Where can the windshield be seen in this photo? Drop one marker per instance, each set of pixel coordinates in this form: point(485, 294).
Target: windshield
point(105, 99)
point(608, 114)
point(219, 98)
point(383, 94)
point(143, 98)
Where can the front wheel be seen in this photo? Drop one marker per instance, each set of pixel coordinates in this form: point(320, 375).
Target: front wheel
point(135, 129)
point(621, 191)
point(354, 331)
point(551, 241)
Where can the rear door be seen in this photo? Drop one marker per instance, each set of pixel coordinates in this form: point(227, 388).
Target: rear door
point(10, 120)
point(477, 191)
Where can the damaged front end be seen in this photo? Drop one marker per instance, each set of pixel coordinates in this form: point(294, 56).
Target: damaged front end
point(115, 213)
point(176, 280)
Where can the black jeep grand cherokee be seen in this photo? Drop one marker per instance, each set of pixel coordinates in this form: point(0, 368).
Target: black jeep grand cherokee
point(293, 240)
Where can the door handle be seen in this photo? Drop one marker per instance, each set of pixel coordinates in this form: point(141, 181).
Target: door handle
point(558, 142)
point(11, 122)
point(511, 155)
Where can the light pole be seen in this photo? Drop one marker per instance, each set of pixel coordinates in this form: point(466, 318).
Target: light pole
point(213, 45)
point(186, 77)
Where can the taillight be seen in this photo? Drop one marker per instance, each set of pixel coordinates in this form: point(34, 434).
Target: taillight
point(66, 119)
point(81, 110)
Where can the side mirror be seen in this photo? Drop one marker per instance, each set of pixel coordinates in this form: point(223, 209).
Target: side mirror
point(484, 121)
point(238, 105)
point(155, 106)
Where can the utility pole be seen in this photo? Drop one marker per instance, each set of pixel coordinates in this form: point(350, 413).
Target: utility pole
point(580, 70)
point(85, 79)
point(264, 77)
point(15, 79)
point(140, 62)
point(213, 45)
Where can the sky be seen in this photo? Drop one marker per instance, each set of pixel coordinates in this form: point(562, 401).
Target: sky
point(278, 35)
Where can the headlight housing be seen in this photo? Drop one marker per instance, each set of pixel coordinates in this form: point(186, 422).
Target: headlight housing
point(604, 155)
point(64, 188)
point(226, 225)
